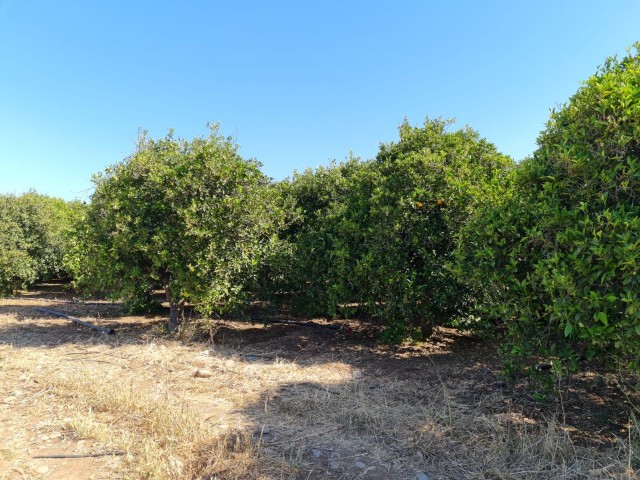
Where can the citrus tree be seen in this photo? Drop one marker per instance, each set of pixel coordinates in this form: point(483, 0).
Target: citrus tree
point(192, 218)
point(35, 233)
point(321, 240)
point(428, 185)
point(558, 258)
point(379, 235)
point(16, 266)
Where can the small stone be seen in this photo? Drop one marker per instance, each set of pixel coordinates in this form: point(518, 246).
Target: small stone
point(203, 373)
point(264, 431)
point(422, 476)
point(250, 358)
point(42, 469)
point(316, 453)
point(334, 465)
point(200, 363)
point(360, 465)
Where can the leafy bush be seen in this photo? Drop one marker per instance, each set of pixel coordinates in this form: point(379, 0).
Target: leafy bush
point(35, 233)
point(190, 217)
point(557, 260)
point(379, 235)
point(428, 185)
point(16, 266)
point(314, 268)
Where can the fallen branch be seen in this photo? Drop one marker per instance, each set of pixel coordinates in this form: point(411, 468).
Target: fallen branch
point(82, 455)
point(109, 331)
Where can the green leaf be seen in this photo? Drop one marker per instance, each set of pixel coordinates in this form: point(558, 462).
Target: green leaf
point(603, 318)
point(568, 329)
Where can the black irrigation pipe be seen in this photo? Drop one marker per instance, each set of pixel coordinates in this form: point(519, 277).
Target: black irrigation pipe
point(81, 455)
point(109, 331)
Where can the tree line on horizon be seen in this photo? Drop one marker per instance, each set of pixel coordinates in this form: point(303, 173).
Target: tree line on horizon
point(438, 229)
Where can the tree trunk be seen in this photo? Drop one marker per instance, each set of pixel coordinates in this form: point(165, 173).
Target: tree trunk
point(176, 307)
point(176, 310)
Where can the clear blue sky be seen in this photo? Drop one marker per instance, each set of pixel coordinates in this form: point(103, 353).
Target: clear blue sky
point(296, 83)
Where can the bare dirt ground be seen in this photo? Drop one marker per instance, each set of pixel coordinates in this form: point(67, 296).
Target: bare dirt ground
point(238, 400)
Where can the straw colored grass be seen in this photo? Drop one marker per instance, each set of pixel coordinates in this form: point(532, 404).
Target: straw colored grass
point(266, 412)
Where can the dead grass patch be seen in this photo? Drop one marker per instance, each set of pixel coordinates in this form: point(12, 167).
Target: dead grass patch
point(292, 404)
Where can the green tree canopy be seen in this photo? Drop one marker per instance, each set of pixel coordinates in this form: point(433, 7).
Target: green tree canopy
point(379, 235)
point(191, 217)
point(35, 234)
point(430, 183)
point(558, 259)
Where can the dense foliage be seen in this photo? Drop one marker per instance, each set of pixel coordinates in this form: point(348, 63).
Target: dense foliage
point(379, 235)
point(309, 269)
point(438, 228)
point(34, 236)
point(557, 261)
point(190, 217)
point(430, 183)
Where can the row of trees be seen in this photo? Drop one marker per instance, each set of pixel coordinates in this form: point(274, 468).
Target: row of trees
point(440, 228)
point(379, 236)
point(35, 233)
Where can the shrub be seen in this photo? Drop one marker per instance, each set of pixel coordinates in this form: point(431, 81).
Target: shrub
point(379, 235)
point(315, 265)
point(190, 217)
point(428, 185)
point(35, 233)
point(557, 260)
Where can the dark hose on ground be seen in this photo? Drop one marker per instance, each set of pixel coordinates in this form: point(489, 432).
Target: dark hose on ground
point(108, 331)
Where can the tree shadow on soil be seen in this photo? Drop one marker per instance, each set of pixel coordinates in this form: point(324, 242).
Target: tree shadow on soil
point(38, 329)
point(591, 404)
point(351, 429)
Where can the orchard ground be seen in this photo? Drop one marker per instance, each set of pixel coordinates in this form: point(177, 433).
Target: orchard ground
point(227, 399)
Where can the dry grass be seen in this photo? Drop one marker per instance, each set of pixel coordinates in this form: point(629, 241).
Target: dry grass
point(271, 409)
